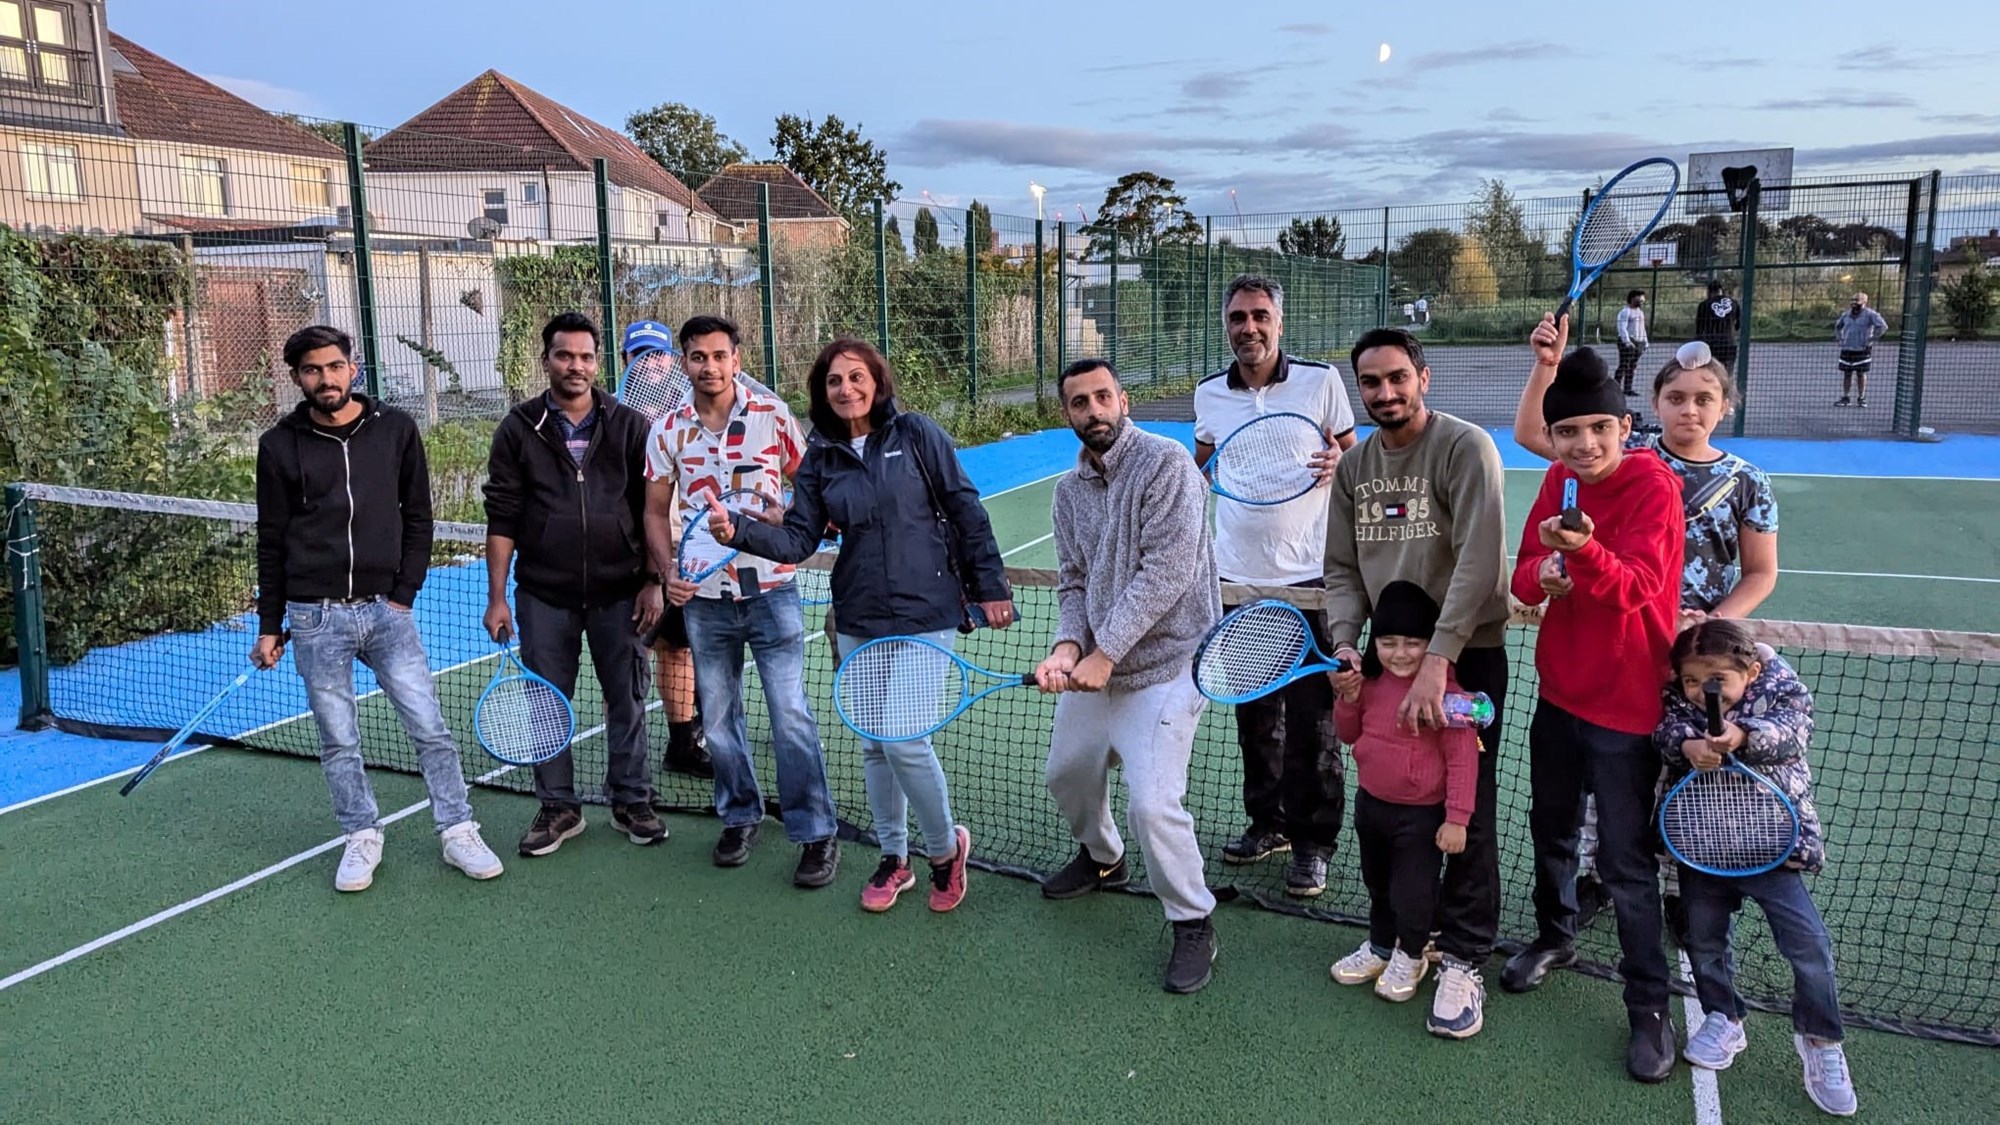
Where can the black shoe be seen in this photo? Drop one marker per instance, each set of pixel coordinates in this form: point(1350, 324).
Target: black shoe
point(1192, 962)
point(733, 849)
point(1649, 1056)
point(1305, 876)
point(1254, 845)
point(1843, 400)
point(687, 751)
point(553, 824)
point(1590, 899)
point(1862, 401)
point(639, 823)
point(818, 862)
point(1084, 875)
point(1526, 969)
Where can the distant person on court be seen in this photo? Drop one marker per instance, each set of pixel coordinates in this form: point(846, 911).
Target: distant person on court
point(1136, 592)
point(1631, 337)
point(1718, 321)
point(1767, 724)
point(918, 543)
point(1293, 777)
point(1611, 584)
point(1422, 501)
point(730, 437)
point(1855, 332)
point(687, 749)
point(343, 546)
point(1416, 793)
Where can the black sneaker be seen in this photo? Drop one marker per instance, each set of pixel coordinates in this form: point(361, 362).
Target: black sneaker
point(1843, 400)
point(640, 824)
point(687, 751)
point(1527, 969)
point(1649, 1056)
point(1254, 845)
point(733, 849)
point(818, 861)
point(553, 824)
point(1862, 401)
point(1084, 875)
point(1192, 962)
point(1305, 875)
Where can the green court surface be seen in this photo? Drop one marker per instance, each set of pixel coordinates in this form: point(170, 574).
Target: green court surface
point(608, 982)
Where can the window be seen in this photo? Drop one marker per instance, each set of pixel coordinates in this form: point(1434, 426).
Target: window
point(38, 47)
point(531, 194)
point(311, 186)
point(52, 171)
point(496, 205)
point(205, 185)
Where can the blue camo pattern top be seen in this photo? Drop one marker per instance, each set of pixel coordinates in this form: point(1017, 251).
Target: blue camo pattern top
point(1713, 563)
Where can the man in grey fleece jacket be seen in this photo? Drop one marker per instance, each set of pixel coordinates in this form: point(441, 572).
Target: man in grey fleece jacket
point(1136, 593)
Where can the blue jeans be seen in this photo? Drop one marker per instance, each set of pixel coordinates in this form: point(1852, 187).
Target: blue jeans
point(1796, 929)
point(898, 773)
point(773, 627)
point(327, 638)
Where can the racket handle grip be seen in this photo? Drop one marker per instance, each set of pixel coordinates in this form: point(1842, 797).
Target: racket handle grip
point(1562, 310)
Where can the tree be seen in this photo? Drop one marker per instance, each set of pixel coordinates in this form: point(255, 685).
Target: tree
point(1424, 260)
point(332, 132)
point(927, 232)
point(684, 141)
point(1140, 211)
point(1472, 278)
point(835, 160)
point(892, 236)
point(1969, 298)
point(979, 223)
point(1499, 224)
point(1319, 237)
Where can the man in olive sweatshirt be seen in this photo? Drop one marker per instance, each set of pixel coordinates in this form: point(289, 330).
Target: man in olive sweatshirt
point(1421, 501)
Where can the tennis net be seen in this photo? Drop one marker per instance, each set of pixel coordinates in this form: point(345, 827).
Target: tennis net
point(134, 610)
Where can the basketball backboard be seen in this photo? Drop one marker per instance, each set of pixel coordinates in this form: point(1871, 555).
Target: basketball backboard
point(1705, 193)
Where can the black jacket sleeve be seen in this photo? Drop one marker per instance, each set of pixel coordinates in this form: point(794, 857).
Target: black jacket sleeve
point(274, 519)
point(504, 497)
point(414, 489)
point(805, 520)
point(978, 551)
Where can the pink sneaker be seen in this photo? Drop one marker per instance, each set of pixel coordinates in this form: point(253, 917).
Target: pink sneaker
point(892, 877)
point(948, 881)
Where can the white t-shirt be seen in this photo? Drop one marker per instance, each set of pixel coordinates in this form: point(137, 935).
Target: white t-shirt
point(1277, 544)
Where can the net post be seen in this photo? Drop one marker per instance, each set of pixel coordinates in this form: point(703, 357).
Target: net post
point(971, 311)
point(607, 309)
point(1041, 318)
point(364, 259)
point(24, 578)
point(767, 285)
point(881, 279)
point(1748, 297)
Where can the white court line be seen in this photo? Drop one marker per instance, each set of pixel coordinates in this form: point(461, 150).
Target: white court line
point(1010, 553)
point(1819, 476)
point(1019, 487)
point(1511, 559)
point(1707, 1096)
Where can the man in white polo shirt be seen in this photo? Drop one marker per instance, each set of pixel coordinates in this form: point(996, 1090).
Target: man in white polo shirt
point(1293, 782)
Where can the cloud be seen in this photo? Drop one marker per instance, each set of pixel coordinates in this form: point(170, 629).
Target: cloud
point(1157, 64)
point(1892, 58)
point(1487, 152)
point(1506, 116)
point(1841, 99)
point(1519, 51)
point(1724, 62)
point(1307, 28)
point(1942, 144)
point(1214, 86)
point(1962, 118)
point(266, 95)
point(935, 143)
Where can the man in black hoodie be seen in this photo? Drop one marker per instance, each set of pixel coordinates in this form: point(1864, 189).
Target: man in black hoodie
point(565, 505)
point(1716, 322)
point(343, 546)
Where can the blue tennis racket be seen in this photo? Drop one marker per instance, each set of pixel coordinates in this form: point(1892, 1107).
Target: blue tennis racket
point(654, 384)
point(1731, 820)
point(1572, 520)
point(700, 555)
point(1258, 649)
point(1268, 460)
point(522, 719)
point(896, 689)
point(187, 731)
point(1618, 218)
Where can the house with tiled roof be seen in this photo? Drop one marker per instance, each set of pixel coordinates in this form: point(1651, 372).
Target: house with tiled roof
point(498, 160)
point(800, 216)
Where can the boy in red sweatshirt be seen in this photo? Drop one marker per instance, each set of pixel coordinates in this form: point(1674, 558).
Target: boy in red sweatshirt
point(1610, 571)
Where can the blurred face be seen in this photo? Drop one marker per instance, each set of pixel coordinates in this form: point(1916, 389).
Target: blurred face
point(850, 388)
point(1690, 406)
point(1402, 656)
point(1255, 326)
point(1698, 670)
point(1638, 300)
point(326, 377)
point(1861, 300)
point(571, 364)
point(1392, 388)
point(1095, 407)
point(1590, 444)
point(712, 363)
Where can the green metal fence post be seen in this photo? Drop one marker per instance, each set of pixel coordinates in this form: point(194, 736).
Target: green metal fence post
point(1207, 293)
point(1153, 315)
point(767, 285)
point(1926, 279)
point(1062, 295)
point(1114, 300)
point(1748, 298)
point(1382, 288)
point(1041, 323)
point(24, 575)
point(607, 307)
point(364, 260)
point(881, 279)
point(971, 311)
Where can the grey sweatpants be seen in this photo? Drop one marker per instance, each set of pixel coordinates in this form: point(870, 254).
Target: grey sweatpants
point(1149, 733)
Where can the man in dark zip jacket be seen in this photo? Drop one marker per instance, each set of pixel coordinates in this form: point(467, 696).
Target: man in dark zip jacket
point(343, 546)
point(565, 505)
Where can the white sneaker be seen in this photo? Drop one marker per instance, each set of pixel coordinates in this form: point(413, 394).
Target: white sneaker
point(1399, 981)
point(1717, 1043)
point(464, 850)
point(1827, 1082)
point(1360, 966)
point(358, 862)
point(1458, 1010)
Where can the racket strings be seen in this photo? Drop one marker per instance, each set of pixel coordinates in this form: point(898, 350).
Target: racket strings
point(700, 553)
point(1268, 459)
point(654, 385)
point(1255, 648)
point(897, 691)
point(524, 719)
point(1621, 215)
point(1724, 820)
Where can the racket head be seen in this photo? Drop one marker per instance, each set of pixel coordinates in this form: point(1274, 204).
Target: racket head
point(521, 718)
point(699, 555)
point(1730, 821)
point(1266, 460)
point(1251, 651)
point(1624, 212)
point(654, 384)
point(899, 689)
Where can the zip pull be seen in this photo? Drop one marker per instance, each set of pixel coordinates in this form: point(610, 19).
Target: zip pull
point(579, 474)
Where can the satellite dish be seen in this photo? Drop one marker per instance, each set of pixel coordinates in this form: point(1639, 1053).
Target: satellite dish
point(483, 228)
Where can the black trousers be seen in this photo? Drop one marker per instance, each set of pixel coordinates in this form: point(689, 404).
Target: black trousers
point(1399, 866)
point(1568, 756)
point(1468, 913)
point(551, 646)
point(1294, 779)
